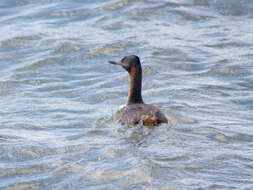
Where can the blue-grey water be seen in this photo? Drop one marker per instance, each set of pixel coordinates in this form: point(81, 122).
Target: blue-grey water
point(60, 99)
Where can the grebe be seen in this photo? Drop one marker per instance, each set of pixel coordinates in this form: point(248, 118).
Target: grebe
point(136, 110)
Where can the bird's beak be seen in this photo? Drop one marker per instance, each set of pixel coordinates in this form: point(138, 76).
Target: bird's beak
point(115, 63)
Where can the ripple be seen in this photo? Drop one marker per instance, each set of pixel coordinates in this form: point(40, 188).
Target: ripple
point(72, 168)
point(8, 84)
point(242, 137)
point(39, 64)
point(83, 12)
point(23, 154)
point(232, 8)
point(148, 70)
point(114, 153)
point(22, 41)
point(188, 15)
point(229, 45)
point(134, 176)
point(230, 71)
point(115, 5)
point(60, 100)
point(5, 56)
point(23, 186)
point(175, 158)
point(221, 138)
point(154, 9)
point(246, 102)
point(115, 26)
point(247, 83)
point(23, 171)
point(115, 49)
point(66, 47)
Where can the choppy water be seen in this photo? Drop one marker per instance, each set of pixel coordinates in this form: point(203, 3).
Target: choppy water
point(59, 97)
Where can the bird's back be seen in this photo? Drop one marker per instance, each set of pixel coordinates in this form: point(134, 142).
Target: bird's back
point(147, 114)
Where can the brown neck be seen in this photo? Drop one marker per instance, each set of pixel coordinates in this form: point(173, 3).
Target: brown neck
point(134, 93)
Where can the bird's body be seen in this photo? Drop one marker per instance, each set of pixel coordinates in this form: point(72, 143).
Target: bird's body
point(136, 111)
point(148, 114)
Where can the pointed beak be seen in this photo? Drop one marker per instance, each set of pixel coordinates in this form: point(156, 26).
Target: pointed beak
point(114, 63)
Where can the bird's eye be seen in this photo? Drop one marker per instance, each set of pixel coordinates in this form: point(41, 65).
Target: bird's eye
point(122, 60)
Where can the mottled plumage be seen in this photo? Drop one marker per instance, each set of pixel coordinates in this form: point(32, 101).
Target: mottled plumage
point(146, 113)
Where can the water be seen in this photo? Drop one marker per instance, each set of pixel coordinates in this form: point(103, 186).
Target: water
point(60, 99)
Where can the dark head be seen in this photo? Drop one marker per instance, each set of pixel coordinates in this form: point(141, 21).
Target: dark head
point(133, 66)
point(128, 62)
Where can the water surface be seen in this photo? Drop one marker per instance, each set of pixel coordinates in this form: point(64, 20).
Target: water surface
point(60, 99)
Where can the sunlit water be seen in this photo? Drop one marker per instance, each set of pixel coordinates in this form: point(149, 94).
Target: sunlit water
point(60, 99)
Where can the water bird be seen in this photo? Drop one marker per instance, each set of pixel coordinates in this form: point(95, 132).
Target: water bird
point(136, 111)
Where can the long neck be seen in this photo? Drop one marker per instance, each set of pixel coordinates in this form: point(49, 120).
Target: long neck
point(134, 93)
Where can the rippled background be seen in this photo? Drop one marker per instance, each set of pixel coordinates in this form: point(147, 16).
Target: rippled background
point(60, 99)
